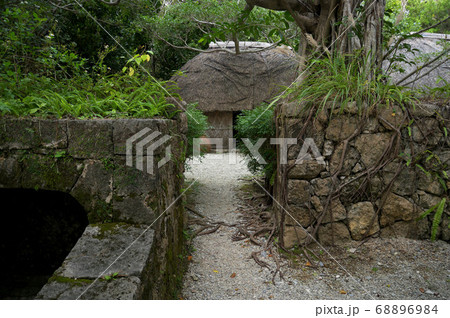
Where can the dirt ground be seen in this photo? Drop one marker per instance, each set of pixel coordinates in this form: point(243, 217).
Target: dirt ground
point(222, 268)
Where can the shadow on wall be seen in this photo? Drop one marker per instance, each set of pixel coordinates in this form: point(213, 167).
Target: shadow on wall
point(39, 229)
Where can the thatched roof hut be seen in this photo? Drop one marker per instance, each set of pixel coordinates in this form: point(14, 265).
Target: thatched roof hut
point(225, 83)
point(222, 81)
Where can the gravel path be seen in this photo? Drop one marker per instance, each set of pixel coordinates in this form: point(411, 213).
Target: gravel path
point(222, 269)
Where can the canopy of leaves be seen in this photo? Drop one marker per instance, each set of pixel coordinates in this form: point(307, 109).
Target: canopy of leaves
point(194, 24)
point(420, 14)
point(75, 26)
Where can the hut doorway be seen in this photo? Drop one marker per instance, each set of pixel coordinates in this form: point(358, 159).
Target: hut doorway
point(224, 84)
point(221, 127)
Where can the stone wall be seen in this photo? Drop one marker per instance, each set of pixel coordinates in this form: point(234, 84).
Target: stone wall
point(371, 191)
point(87, 159)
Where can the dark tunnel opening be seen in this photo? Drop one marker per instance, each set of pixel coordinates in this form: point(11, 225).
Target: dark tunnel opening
point(39, 229)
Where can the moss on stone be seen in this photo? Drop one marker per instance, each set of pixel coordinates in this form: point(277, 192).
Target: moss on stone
point(48, 171)
point(70, 281)
point(101, 213)
point(109, 228)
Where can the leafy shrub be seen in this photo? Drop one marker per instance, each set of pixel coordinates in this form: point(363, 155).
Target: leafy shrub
point(419, 14)
point(254, 124)
point(40, 77)
point(75, 28)
point(112, 97)
point(426, 13)
point(197, 125)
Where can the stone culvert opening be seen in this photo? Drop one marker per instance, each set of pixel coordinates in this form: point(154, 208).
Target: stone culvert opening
point(39, 229)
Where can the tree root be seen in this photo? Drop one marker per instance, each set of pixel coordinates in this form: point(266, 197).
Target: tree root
point(195, 212)
point(261, 263)
point(214, 229)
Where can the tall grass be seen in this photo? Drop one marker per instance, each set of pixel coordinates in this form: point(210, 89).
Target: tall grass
point(339, 80)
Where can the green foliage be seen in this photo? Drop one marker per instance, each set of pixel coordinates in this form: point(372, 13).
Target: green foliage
point(111, 277)
point(195, 24)
point(197, 125)
point(341, 80)
point(441, 92)
point(254, 124)
point(29, 50)
point(60, 154)
point(419, 14)
point(40, 77)
point(113, 97)
point(426, 13)
point(392, 31)
point(136, 62)
point(439, 208)
point(177, 25)
point(258, 25)
point(125, 22)
point(431, 165)
point(34, 23)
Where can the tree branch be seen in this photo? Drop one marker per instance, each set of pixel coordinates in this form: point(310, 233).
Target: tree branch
point(426, 73)
point(422, 66)
point(187, 47)
point(404, 37)
point(111, 3)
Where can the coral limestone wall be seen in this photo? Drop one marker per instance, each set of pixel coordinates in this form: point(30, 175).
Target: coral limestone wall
point(378, 173)
point(87, 159)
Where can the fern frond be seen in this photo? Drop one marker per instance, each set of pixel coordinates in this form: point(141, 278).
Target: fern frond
point(437, 219)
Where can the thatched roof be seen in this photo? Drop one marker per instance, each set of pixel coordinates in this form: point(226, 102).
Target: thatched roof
point(222, 81)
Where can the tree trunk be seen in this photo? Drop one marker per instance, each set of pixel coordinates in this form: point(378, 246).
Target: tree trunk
point(373, 26)
point(336, 32)
point(331, 26)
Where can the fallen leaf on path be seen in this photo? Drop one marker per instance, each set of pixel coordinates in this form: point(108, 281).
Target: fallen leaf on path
point(343, 292)
point(270, 255)
point(236, 289)
point(189, 258)
point(215, 271)
point(422, 290)
point(308, 263)
point(233, 275)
